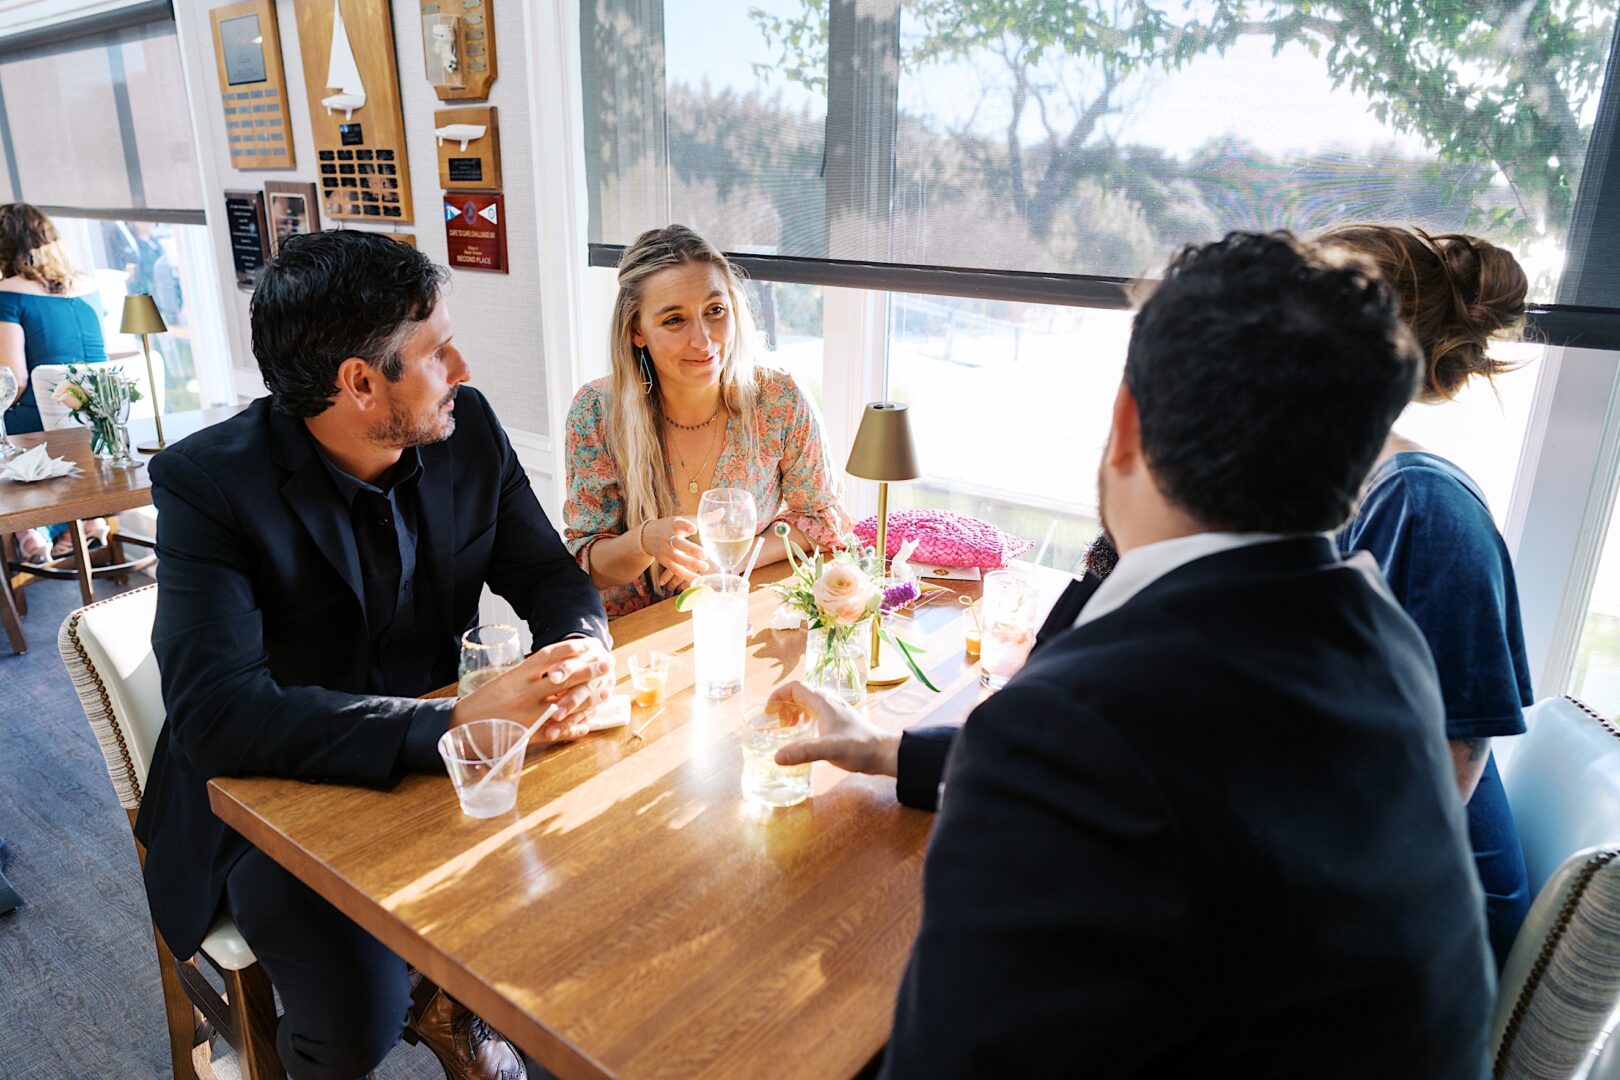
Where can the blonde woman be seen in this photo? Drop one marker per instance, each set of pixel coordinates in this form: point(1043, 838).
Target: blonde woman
point(684, 408)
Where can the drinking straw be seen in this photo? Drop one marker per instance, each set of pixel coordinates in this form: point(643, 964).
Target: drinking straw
point(497, 764)
point(759, 545)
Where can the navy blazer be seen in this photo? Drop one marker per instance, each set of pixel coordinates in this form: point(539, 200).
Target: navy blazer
point(923, 750)
point(1214, 832)
point(261, 624)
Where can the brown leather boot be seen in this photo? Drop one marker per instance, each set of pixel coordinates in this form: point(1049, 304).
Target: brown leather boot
point(467, 1048)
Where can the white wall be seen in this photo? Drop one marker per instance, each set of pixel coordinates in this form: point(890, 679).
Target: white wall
point(496, 316)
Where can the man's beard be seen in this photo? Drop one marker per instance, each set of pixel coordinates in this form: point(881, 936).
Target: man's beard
point(1101, 556)
point(402, 429)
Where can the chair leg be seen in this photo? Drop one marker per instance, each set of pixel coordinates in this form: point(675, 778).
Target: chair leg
point(81, 554)
point(9, 613)
point(179, 1012)
point(253, 1008)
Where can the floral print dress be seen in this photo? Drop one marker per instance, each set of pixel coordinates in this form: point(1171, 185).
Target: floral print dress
point(784, 465)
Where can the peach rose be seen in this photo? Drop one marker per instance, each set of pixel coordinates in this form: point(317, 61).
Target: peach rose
point(69, 395)
point(843, 594)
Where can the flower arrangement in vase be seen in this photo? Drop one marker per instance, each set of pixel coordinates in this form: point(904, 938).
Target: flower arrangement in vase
point(840, 593)
point(99, 397)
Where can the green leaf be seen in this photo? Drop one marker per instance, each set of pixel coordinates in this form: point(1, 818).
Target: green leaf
point(911, 661)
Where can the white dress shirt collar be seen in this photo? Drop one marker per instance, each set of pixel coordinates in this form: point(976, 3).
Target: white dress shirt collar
point(1141, 567)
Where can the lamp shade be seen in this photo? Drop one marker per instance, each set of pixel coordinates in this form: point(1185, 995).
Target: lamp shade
point(141, 316)
point(883, 449)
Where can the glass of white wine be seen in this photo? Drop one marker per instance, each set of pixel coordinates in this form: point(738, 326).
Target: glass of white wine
point(727, 522)
point(8, 393)
point(486, 652)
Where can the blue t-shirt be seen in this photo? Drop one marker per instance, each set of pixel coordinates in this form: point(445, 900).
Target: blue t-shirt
point(56, 330)
point(1428, 526)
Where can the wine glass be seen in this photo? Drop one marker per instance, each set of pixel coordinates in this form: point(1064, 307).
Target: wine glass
point(8, 391)
point(487, 652)
point(727, 522)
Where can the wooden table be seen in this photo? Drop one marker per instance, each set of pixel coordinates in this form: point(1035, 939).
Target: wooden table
point(634, 917)
point(101, 490)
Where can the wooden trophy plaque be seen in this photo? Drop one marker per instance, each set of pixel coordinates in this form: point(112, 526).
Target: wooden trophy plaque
point(472, 44)
point(353, 85)
point(469, 149)
point(247, 48)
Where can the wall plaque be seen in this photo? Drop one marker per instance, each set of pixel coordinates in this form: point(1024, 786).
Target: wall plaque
point(292, 208)
point(247, 48)
point(475, 231)
point(353, 90)
point(469, 148)
point(250, 248)
point(458, 43)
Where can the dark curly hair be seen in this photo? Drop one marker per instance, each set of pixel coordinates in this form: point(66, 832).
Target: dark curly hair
point(328, 296)
point(1267, 373)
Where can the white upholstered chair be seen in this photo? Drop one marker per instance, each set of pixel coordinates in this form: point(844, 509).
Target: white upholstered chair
point(107, 647)
point(1561, 983)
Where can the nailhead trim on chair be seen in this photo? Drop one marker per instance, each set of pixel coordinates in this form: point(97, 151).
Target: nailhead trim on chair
point(1555, 937)
point(1603, 722)
point(98, 705)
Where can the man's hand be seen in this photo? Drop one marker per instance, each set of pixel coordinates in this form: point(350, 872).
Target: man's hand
point(575, 675)
point(846, 738)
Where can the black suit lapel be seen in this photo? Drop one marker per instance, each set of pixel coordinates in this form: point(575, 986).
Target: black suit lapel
point(1067, 609)
point(310, 493)
point(437, 513)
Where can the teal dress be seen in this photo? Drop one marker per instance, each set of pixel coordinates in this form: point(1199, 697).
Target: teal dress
point(56, 330)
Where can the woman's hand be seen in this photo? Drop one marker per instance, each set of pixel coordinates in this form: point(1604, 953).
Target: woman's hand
point(668, 541)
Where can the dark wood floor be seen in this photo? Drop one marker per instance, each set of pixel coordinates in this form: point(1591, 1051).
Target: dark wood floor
point(79, 990)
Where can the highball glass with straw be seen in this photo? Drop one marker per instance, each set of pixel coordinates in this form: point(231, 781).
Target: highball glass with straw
point(8, 393)
point(720, 634)
point(1007, 616)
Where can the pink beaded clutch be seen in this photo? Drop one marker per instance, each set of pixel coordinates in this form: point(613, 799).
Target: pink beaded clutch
point(946, 538)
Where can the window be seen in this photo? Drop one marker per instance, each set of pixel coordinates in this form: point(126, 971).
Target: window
point(121, 93)
point(1010, 408)
point(991, 137)
point(1482, 430)
point(171, 263)
point(790, 320)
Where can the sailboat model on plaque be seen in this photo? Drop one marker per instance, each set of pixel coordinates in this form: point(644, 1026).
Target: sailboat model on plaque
point(342, 72)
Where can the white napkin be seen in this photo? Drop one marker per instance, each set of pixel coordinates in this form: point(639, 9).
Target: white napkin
point(36, 464)
point(612, 713)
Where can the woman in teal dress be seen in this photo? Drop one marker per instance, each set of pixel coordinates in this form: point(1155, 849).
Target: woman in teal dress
point(48, 315)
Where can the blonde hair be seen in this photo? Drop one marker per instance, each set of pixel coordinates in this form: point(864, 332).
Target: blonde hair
point(635, 434)
point(30, 248)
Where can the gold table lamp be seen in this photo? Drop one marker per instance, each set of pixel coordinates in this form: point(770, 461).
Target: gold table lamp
point(883, 452)
point(142, 319)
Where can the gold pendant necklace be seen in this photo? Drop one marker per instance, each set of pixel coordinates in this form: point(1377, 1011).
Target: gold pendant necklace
point(691, 477)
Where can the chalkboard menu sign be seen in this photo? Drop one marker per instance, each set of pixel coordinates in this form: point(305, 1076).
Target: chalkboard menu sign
point(250, 243)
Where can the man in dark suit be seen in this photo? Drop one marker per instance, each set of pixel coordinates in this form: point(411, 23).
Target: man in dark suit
point(1210, 829)
point(320, 554)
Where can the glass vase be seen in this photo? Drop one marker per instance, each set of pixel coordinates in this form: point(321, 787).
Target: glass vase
point(104, 438)
point(837, 658)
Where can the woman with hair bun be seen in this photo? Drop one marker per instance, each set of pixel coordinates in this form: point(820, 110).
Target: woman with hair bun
point(49, 314)
point(1428, 526)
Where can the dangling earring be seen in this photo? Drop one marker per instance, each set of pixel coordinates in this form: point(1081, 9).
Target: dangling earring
point(646, 370)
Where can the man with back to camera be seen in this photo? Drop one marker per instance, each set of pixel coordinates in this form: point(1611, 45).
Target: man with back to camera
point(319, 555)
point(1211, 828)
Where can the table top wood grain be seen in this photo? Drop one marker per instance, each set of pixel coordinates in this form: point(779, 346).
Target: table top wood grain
point(633, 916)
point(101, 489)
